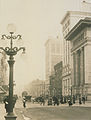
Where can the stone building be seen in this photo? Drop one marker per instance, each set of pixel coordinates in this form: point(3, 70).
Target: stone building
point(68, 22)
point(80, 38)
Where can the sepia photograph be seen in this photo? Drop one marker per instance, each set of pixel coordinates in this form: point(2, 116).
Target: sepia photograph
point(45, 60)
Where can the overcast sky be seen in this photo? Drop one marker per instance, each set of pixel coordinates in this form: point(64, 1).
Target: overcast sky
point(35, 20)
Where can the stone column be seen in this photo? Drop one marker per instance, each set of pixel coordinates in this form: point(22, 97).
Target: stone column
point(82, 66)
point(74, 69)
point(78, 67)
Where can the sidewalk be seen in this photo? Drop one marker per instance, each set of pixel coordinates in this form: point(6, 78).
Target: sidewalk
point(87, 104)
point(2, 112)
point(19, 104)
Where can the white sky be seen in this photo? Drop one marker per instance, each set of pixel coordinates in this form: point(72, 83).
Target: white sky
point(35, 20)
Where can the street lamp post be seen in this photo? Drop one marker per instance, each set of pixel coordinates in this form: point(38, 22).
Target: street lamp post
point(11, 51)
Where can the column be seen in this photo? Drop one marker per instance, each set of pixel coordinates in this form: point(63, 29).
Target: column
point(82, 66)
point(78, 67)
point(74, 69)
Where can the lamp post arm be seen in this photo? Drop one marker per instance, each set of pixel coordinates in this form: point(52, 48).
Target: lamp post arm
point(18, 36)
point(21, 48)
point(5, 36)
point(15, 37)
point(2, 49)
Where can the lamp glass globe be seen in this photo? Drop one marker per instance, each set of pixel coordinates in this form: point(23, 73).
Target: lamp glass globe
point(11, 28)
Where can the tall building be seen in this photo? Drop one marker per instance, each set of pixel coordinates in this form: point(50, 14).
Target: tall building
point(53, 55)
point(68, 22)
point(80, 37)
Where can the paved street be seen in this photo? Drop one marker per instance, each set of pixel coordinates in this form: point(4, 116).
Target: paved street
point(38, 112)
point(62, 112)
point(59, 113)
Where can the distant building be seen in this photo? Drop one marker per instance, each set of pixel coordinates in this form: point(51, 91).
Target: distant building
point(53, 55)
point(56, 81)
point(36, 88)
point(68, 22)
point(80, 38)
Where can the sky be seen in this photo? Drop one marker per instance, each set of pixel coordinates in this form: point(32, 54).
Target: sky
point(35, 20)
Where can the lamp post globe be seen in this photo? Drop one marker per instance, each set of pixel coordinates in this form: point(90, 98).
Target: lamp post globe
point(11, 28)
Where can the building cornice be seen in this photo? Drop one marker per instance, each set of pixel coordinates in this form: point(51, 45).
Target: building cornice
point(77, 28)
point(74, 13)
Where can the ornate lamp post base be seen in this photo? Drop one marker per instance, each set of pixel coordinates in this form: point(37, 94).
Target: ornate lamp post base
point(10, 117)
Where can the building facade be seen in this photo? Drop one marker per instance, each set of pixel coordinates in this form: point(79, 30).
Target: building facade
point(68, 22)
point(80, 38)
point(53, 55)
point(56, 81)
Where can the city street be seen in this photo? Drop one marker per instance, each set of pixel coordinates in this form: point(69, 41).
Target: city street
point(38, 112)
point(45, 60)
point(62, 112)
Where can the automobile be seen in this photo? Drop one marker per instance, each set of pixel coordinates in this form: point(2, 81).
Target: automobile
point(38, 99)
point(28, 98)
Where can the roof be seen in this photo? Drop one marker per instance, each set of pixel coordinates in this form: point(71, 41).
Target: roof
point(78, 27)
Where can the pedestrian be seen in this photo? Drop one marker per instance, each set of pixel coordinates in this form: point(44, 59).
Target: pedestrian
point(61, 99)
point(83, 99)
point(55, 100)
point(80, 102)
point(73, 99)
point(50, 100)
point(65, 101)
point(69, 102)
point(6, 101)
point(42, 100)
point(24, 102)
